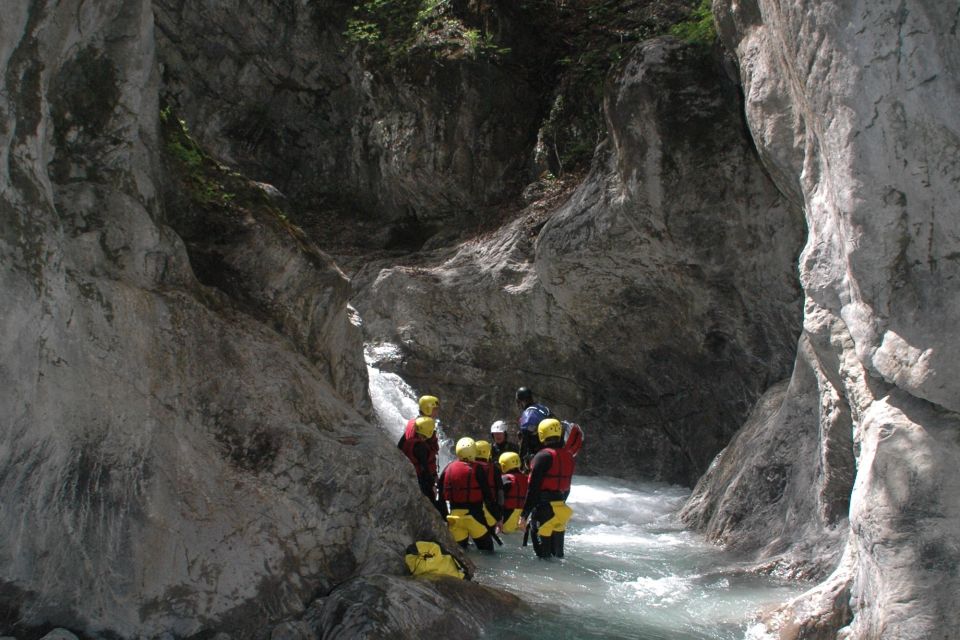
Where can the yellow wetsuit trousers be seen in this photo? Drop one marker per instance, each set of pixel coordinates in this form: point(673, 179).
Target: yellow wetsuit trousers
point(553, 519)
point(462, 525)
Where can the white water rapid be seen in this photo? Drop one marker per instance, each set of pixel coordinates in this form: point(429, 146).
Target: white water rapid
point(630, 571)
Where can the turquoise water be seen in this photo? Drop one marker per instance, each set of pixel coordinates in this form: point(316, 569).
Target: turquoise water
point(630, 571)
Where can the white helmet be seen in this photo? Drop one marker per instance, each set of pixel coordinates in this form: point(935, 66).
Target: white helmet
point(498, 427)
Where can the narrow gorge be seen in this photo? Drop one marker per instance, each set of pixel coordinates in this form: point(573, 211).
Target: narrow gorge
point(725, 239)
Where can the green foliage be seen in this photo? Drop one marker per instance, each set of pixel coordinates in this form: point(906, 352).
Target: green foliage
point(202, 174)
point(392, 31)
point(699, 27)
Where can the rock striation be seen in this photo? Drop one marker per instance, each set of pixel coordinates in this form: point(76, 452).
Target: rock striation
point(850, 107)
point(174, 457)
point(654, 306)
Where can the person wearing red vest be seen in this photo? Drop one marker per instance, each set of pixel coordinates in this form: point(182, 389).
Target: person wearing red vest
point(545, 508)
point(429, 406)
point(492, 471)
point(514, 489)
point(465, 486)
point(415, 444)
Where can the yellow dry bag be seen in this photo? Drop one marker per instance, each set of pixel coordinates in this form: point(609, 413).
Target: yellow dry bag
point(428, 559)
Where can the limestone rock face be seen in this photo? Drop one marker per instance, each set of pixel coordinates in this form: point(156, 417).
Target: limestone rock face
point(851, 109)
point(653, 307)
point(171, 458)
point(279, 92)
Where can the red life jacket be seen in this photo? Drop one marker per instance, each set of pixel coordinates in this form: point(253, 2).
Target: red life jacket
point(516, 493)
point(488, 473)
point(410, 440)
point(558, 475)
point(411, 429)
point(460, 484)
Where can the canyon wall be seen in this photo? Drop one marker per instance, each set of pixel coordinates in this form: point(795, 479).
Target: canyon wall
point(653, 307)
point(851, 107)
point(174, 458)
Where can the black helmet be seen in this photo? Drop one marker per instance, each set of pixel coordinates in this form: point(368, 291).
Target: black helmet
point(524, 395)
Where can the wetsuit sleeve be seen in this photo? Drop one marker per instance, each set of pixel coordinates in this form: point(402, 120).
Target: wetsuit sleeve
point(422, 454)
point(527, 446)
point(541, 464)
point(441, 499)
point(488, 499)
point(498, 483)
point(426, 480)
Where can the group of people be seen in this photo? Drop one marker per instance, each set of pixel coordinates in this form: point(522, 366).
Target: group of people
point(499, 486)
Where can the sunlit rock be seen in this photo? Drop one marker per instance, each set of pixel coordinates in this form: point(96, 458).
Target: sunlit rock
point(851, 106)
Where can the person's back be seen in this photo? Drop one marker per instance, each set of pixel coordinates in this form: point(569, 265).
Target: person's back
point(532, 414)
point(464, 485)
point(514, 489)
point(551, 472)
point(415, 444)
point(493, 511)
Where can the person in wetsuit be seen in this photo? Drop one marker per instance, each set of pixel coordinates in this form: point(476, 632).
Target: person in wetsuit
point(545, 509)
point(492, 472)
point(465, 485)
point(500, 440)
point(531, 414)
point(415, 444)
point(514, 489)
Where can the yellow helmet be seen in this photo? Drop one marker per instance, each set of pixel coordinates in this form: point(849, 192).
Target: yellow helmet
point(428, 404)
point(466, 449)
point(509, 461)
point(549, 428)
point(483, 450)
point(425, 426)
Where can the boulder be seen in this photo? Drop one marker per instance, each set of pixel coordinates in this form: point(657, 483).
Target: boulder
point(385, 606)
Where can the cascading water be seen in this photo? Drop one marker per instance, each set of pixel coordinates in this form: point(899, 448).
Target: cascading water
point(630, 571)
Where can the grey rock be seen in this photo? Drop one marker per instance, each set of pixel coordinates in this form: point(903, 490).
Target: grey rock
point(60, 634)
point(848, 105)
point(653, 307)
point(298, 630)
point(280, 93)
point(382, 606)
point(171, 459)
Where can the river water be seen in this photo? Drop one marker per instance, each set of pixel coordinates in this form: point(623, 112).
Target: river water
point(630, 571)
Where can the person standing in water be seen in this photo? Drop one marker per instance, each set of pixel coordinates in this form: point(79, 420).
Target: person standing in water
point(531, 414)
point(514, 489)
point(545, 509)
point(501, 441)
point(492, 472)
point(464, 485)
